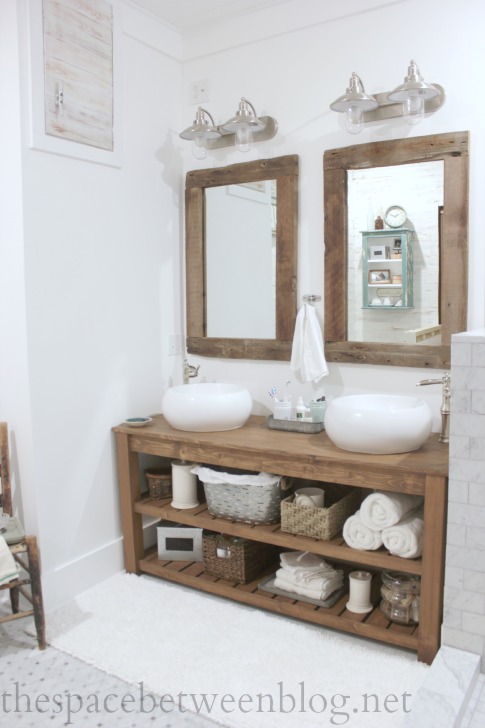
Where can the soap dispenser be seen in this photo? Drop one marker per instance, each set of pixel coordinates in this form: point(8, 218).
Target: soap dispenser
point(300, 409)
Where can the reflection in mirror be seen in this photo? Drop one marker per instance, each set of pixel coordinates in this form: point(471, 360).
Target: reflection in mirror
point(379, 313)
point(235, 309)
point(241, 278)
point(432, 246)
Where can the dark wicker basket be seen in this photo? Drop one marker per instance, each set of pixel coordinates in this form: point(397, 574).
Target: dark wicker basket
point(323, 523)
point(244, 559)
point(159, 482)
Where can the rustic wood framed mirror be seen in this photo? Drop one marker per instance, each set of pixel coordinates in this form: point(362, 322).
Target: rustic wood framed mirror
point(222, 277)
point(452, 149)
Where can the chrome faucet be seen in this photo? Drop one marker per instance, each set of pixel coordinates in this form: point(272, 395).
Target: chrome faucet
point(445, 404)
point(190, 371)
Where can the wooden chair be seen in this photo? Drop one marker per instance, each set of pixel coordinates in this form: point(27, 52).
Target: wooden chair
point(25, 553)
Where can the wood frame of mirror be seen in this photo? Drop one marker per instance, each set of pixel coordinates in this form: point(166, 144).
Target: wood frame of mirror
point(285, 171)
point(453, 150)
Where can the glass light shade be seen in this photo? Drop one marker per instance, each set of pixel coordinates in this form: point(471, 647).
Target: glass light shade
point(354, 119)
point(244, 138)
point(413, 109)
point(199, 147)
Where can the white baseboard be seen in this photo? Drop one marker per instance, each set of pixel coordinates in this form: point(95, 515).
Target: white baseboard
point(65, 582)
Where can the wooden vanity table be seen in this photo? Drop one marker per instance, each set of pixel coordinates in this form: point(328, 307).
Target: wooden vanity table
point(256, 448)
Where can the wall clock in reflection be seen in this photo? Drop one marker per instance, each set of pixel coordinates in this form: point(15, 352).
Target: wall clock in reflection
point(395, 216)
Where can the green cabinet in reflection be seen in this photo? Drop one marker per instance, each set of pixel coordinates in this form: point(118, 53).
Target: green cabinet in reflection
point(387, 269)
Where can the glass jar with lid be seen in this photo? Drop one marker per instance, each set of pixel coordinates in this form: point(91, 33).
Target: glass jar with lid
point(400, 597)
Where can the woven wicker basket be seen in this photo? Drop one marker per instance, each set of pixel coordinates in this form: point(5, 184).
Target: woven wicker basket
point(323, 523)
point(243, 560)
point(254, 504)
point(159, 482)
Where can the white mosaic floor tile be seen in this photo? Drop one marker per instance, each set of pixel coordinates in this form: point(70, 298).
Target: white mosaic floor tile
point(76, 694)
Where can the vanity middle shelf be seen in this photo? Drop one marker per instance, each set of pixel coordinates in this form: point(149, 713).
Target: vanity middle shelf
point(333, 549)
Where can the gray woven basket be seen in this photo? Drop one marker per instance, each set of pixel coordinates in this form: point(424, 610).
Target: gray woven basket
point(245, 503)
point(323, 523)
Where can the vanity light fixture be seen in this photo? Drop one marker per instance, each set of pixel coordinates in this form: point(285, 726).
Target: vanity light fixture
point(243, 125)
point(354, 103)
point(411, 99)
point(241, 130)
point(201, 132)
point(413, 93)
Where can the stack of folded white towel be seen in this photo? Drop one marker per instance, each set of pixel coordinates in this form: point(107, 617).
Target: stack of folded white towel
point(392, 519)
point(307, 575)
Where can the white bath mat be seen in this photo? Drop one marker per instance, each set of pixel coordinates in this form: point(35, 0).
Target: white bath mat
point(238, 665)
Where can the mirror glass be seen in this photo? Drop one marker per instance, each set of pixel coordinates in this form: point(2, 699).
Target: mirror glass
point(418, 188)
point(375, 313)
point(235, 309)
point(241, 253)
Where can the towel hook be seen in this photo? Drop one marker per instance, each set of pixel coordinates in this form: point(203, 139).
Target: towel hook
point(311, 298)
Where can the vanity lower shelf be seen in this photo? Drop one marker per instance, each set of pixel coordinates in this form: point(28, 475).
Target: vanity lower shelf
point(373, 625)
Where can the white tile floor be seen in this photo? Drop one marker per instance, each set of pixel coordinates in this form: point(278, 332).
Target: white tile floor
point(27, 674)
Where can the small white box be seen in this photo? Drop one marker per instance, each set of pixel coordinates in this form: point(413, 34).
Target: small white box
point(378, 252)
point(179, 543)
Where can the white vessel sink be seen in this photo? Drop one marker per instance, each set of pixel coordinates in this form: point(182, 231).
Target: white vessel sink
point(206, 407)
point(378, 423)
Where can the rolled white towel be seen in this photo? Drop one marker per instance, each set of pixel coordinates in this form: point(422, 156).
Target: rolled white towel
point(406, 537)
point(359, 536)
point(381, 510)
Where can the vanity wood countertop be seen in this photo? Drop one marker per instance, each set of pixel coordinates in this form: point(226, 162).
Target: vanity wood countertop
point(256, 447)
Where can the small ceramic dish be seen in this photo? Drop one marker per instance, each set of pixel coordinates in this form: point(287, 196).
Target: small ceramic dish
point(138, 421)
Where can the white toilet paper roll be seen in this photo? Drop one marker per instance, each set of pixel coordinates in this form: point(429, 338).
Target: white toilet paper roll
point(184, 485)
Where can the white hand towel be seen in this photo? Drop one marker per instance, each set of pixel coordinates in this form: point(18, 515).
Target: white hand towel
point(8, 567)
point(307, 354)
point(406, 537)
point(359, 536)
point(381, 510)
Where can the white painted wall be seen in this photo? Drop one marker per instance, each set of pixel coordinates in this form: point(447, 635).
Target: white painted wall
point(94, 283)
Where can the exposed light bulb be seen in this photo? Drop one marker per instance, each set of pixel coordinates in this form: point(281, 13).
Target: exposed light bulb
point(199, 147)
point(413, 109)
point(354, 119)
point(244, 138)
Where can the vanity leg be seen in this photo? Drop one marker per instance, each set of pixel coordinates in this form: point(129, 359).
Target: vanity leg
point(432, 581)
point(129, 485)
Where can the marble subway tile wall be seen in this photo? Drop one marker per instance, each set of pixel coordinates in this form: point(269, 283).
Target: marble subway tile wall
point(464, 604)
